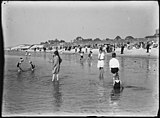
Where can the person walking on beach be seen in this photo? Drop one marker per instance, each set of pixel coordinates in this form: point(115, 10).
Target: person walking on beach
point(100, 64)
point(75, 49)
point(32, 65)
point(114, 68)
point(80, 49)
point(122, 48)
point(148, 45)
point(86, 49)
point(19, 65)
point(56, 65)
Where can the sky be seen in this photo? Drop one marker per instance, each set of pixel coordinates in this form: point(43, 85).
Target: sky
point(32, 22)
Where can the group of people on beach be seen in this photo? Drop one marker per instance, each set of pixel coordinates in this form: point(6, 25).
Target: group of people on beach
point(57, 60)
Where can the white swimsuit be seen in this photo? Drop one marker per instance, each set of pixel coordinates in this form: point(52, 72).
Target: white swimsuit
point(100, 60)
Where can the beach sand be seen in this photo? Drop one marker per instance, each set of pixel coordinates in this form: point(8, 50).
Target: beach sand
point(153, 53)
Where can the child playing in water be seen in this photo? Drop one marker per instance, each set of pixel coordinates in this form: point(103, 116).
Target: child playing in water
point(90, 55)
point(32, 65)
point(26, 53)
point(114, 67)
point(18, 65)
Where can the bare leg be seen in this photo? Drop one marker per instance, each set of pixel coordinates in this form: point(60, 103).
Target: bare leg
point(102, 71)
point(53, 77)
point(57, 77)
point(20, 69)
point(117, 76)
point(113, 79)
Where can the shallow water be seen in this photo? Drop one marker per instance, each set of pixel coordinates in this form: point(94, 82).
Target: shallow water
point(79, 91)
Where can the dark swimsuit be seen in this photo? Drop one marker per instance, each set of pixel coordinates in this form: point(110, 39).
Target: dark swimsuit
point(33, 66)
point(117, 85)
point(18, 64)
point(114, 70)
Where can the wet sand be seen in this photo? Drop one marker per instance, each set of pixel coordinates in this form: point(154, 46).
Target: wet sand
point(79, 91)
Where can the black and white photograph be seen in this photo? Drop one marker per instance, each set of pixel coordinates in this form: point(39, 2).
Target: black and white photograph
point(80, 58)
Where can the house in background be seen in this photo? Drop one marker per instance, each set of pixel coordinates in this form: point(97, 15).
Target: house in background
point(37, 47)
point(21, 47)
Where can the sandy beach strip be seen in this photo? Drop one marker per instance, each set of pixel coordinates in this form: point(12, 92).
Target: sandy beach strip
point(153, 53)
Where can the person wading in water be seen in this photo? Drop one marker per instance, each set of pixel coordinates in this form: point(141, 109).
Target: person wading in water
point(56, 65)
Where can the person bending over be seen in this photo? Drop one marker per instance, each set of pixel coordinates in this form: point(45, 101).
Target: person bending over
point(114, 68)
point(32, 65)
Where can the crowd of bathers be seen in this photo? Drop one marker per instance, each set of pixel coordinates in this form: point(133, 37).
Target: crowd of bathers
point(113, 64)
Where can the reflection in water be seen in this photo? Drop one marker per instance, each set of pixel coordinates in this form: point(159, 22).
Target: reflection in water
point(19, 76)
point(44, 55)
point(32, 74)
point(115, 96)
point(147, 68)
point(102, 91)
point(101, 74)
point(69, 58)
point(89, 63)
point(82, 63)
point(122, 63)
point(122, 73)
point(57, 95)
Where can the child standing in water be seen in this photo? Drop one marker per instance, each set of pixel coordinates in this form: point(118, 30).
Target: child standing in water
point(114, 67)
point(19, 65)
point(90, 55)
point(26, 53)
point(56, 65)
point(32, 65)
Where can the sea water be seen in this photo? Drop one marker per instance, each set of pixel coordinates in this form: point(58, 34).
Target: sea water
point(79, 90)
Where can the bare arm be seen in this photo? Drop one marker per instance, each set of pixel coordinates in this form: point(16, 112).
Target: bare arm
point(56, 61)
point(20, 68)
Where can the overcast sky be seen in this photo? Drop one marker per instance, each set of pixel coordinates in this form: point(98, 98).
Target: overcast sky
point(34, 22)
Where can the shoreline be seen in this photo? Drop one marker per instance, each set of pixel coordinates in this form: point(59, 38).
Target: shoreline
point(137, 53)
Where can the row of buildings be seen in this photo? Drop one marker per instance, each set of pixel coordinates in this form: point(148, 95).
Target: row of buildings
point(129, 40)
